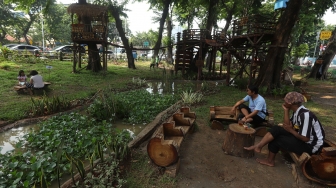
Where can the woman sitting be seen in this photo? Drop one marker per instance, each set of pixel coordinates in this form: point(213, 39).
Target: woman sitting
point(36, 81)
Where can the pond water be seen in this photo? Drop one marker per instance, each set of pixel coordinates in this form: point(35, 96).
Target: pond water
point(9, 138)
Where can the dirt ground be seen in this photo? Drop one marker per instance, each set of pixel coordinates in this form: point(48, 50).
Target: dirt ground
point(203, 163)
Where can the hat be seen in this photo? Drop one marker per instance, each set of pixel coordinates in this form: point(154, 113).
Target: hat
point(294, 98)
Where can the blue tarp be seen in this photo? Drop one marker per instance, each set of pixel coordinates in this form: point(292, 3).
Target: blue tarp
point(280, 4)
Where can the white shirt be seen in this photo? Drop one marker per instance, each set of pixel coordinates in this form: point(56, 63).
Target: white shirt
point(37, 81)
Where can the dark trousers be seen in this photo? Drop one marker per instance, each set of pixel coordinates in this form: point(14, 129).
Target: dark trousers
point(256, 119)
point(287, 141)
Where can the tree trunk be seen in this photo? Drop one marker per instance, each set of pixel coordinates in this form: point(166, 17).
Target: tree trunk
point(328, 55)
point(169, 35)
point(236, 138)
point(162, 21)
point(115, 13)
point(212, 14)
point(270, 70)
point(27, 26)
point(94, 59)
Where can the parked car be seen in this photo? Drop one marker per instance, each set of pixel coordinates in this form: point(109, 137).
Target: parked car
point(25, 49)
point(66, 50)
point(10, 45)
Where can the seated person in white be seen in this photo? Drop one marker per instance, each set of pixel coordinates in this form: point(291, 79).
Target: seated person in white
point(36, 81)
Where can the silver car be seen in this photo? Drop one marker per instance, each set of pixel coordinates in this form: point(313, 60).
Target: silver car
point(26, 50)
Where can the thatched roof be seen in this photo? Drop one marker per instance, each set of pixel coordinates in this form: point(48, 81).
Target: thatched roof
point(87, 9)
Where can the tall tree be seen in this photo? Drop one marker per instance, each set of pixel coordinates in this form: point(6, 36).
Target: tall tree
point(270, 70)
point(164, 6)
point(116, 11)
point(7, 19)
point(320, 69)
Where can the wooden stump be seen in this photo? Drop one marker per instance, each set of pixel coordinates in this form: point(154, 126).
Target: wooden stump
point(162, 154)
point(237, 137)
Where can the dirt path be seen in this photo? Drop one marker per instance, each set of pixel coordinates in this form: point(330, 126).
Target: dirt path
point(204, 164)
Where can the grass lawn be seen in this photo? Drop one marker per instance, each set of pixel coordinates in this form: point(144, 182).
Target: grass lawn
point(65, 83)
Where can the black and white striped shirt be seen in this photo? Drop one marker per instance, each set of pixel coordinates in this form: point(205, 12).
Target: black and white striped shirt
point(309, 126)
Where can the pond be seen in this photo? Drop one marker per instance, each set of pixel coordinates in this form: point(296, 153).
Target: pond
point(9, 138)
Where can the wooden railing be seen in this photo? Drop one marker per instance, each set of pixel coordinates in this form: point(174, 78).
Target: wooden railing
point(88, 32)
point(254, 24)
point(195, 34)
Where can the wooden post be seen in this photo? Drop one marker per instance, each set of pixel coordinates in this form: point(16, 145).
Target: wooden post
point(237, 137)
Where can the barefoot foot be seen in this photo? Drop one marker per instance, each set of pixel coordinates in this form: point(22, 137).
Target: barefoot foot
point(255, 148)
point(265, 162)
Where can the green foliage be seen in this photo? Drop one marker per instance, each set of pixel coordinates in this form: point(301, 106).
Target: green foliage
point(4, 51)
point(138, 106)
point(47, 105)
point(300, 51)
point(281, 91)
point(190, 97)
point(80, 135)
point(241, 83)
point(103, 107)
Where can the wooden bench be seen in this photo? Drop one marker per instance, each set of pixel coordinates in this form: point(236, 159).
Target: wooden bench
point(163, 148)
point(224, 113)
point(21, 89)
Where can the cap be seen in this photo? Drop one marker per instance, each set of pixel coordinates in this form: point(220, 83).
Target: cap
point(294, 98)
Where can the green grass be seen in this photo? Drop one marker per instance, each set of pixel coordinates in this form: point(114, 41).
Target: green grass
point(65, 83)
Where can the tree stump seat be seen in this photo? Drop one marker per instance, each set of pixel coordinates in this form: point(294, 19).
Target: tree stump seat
point(164, 145)
point(237, 137)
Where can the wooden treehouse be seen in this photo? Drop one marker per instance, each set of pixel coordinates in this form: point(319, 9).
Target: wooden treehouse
point(248, 42)
point(89, 27)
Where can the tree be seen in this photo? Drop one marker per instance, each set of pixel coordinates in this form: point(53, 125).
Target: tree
point(270, 70)
point(32, 8)
point(116, 10)
point(7, 19)
point(57, 24)
point(165, 4)
point(318, 70)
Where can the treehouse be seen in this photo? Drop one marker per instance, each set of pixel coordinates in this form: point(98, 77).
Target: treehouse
point(248, 42)
point(89, 27)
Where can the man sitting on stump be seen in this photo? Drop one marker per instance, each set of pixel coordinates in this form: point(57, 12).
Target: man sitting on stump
point(255, 113)
point(302, 132)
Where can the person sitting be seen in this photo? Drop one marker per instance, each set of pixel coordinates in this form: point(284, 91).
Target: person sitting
point(255, 113)
point(36, 81)
point(22, 78)
point(302, 132)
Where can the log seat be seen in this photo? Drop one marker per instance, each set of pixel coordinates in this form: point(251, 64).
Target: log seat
point(20, 89)
point(163, 148)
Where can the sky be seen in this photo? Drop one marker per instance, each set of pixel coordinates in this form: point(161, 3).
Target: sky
point(140, 18)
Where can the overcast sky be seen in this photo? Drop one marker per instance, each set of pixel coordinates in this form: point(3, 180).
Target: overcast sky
point(140, 18)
